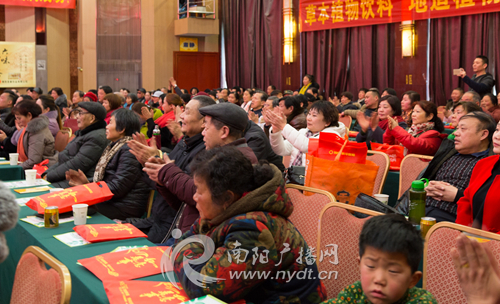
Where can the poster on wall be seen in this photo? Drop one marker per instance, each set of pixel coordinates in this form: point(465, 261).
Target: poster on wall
point(17, 65)
point(42, 3)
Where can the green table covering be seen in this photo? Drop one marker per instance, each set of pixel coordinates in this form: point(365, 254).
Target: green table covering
point(11, 173)
point(449, 131)
point(391, 187)
point(86, 288)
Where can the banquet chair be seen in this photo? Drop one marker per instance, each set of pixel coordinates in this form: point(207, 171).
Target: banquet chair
point(34, 283)
point(338, 244)
point(382, 161)
point(306, 210)
point(411, 166)
point(440, 277)
point(63, 137)
point(72, 124)
point(347, 121)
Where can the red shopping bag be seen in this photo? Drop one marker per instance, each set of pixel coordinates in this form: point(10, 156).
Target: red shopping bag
point(330, 144)
point(126, 265)
point(396, 154)
point(144, 292)
point(41, 168)
point(89, 194)
point(108, 232)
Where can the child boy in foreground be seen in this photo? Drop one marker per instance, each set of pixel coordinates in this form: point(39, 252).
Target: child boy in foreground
point(390, 250)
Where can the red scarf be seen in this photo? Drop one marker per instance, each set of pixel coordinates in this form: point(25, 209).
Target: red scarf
point(384, 124)
point(163, 120)
point(20, 147)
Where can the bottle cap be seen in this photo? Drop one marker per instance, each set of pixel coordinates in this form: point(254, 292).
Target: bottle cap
point(418, 185)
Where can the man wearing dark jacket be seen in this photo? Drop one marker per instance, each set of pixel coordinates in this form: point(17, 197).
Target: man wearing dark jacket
point(259, 143)
point(450, 170)
point(84, 151)
point(7, 123)
point(171, 201)
point(482, 82)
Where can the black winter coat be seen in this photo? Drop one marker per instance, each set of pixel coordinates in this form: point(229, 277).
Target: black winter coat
point(123, 176)
point(166, 205)
point(83, 153)
point(259, 143)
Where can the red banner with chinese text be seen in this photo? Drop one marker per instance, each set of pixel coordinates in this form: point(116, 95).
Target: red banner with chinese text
point(318, 15)
point(42, 3)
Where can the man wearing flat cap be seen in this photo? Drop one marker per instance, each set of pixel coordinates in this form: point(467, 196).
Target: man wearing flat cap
point(141, 94)
point(224, 125)
point(84, 151)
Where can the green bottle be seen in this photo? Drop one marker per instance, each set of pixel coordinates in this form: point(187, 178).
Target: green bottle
point(417, 201)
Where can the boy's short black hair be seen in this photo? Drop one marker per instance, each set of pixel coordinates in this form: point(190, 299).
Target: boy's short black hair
point(393, 233)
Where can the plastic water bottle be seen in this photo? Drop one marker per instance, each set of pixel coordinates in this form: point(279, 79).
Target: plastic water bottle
point(157, 136)
point(417, 202)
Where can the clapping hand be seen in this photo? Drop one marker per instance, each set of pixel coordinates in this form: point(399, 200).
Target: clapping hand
point(3, 136)
point(76, 178)
point(392, 123)
point(154, 165)
point(147, 113)
point(477, 271)
point(253, 117)
point(140, 149)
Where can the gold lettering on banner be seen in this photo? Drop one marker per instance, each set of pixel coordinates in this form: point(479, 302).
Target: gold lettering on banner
point(65, 194)
point(92, 230)
point(411, 82)
point(125, 293)
point(352, 9)
point(464, 3)
point(310, 14)
point(440, 5)
point(420, 6)
point(366, 7)
point(490, 1)
point(406, 79)
point(384, 6)
point(323, 15)
point(88, 188)
point(141, 259)
point(111, 270)
point(119, 227)
point(166, 295)
point(337, 11)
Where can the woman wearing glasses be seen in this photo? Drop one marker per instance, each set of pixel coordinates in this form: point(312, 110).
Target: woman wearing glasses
point(85, 149)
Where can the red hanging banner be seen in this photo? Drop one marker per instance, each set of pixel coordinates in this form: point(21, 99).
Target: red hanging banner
point(41, 3)
point(322, 15)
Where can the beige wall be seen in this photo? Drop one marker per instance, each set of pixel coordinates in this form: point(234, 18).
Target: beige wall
point(87, 56)
point(57, 29)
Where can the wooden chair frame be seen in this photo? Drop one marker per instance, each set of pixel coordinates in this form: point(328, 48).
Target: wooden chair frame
point(62, 270)
point(150, 201)
point(462, 228)
point(384, 178)
point(346, 207)
point(401, 191)
point(348, 127)
point(313, 190)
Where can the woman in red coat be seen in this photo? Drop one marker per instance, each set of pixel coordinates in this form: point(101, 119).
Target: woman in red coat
point(424, 136)
point(480, 205)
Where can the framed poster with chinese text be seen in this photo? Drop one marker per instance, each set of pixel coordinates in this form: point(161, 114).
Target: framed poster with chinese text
point(17, 65)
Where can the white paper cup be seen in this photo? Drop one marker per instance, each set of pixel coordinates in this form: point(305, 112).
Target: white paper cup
point(80, 214)
point(13, 157)
point(30, 175)
point(384, 198)
point(56, 190)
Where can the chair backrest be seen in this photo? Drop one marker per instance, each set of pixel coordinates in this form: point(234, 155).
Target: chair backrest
point(338, 243)
point(440, 277)
point(72, 124)
point(33, 283)
point(347, 121)
point(62, 139)
point(411, 166)
point(306, 210)
point(383, 163)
